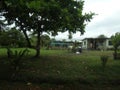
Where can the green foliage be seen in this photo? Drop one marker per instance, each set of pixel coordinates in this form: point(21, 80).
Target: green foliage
point(45, 40)
point(2, 25)
point(62, 67)
point(116, 43)
point(13, 38)
point(104, 59)
point(102, 36)
point(15, 60)
point(51, 16)
point(116, 40)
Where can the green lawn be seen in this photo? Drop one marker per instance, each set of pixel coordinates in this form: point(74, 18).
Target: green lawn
point(66, 69)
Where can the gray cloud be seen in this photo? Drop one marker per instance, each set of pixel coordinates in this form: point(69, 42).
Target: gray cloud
point(107, 21)
point(109, 25)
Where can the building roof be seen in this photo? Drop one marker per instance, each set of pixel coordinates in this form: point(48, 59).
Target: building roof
point(95, 38)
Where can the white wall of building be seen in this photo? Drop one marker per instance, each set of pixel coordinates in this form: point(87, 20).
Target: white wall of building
point(84, 44)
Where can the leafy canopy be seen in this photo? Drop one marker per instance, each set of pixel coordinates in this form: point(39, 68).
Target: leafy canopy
point(12, 37)
point(51, 16)
point(116, 40)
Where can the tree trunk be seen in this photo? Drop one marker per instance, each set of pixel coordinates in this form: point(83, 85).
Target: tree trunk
point(115, 53)
point(2, 3)
point(26, 36)
point(27, 39)
point(38, 44)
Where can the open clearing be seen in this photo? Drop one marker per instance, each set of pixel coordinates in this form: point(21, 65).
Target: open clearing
point(61, 69)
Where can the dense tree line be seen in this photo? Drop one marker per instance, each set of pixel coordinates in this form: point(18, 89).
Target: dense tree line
point(12, 38)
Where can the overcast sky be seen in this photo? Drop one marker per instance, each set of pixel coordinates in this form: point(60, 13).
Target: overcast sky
point(107, 21)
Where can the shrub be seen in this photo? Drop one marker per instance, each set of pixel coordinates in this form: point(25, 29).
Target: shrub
point(104, 59)
point(116, 56)
point(15, 59)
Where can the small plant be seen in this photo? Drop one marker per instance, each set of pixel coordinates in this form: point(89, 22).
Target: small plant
point(15, 59)
point(74, 49)
point(104, 59)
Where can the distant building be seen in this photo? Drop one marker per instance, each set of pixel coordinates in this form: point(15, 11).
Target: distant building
point(97, 43)
point(65, 44)
point(60, 43)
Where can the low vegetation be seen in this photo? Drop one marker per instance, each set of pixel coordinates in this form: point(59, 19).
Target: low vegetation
point(62, 67)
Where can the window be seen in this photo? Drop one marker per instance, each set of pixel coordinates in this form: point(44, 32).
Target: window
point(84, 42)
point(110, 42)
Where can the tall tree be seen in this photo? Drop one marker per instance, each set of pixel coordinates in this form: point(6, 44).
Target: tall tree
point(51, 16)
point(116, 43)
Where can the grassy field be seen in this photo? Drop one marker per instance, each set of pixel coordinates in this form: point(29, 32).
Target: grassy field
point(61, 69)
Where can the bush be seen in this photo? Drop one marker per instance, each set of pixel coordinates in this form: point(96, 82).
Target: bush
point(15, 60)
point(104, 59)
point(116, 56)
